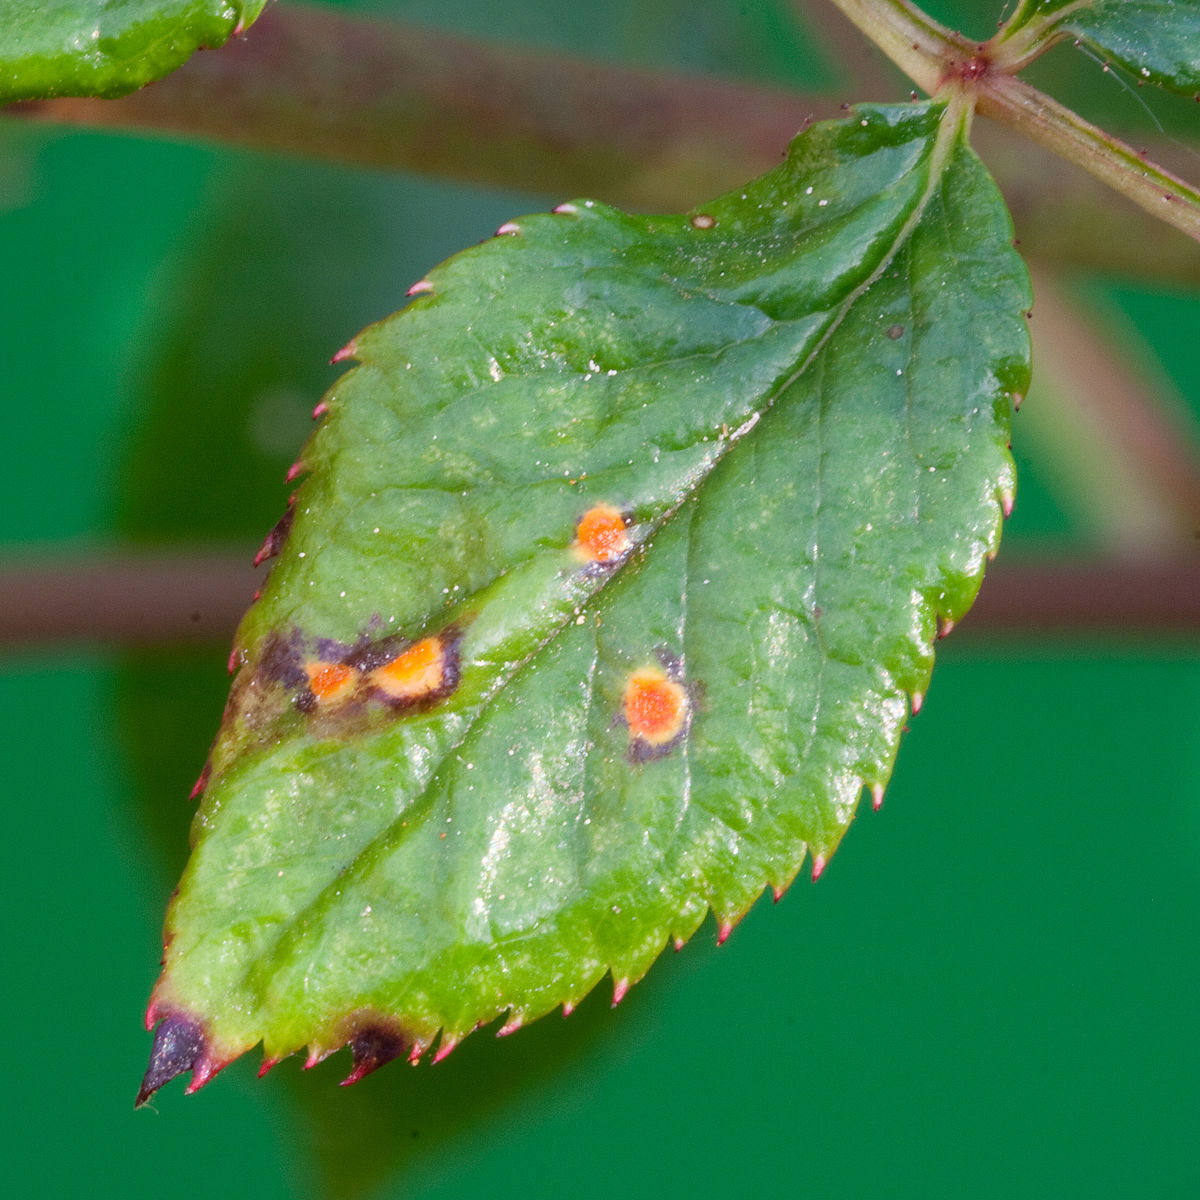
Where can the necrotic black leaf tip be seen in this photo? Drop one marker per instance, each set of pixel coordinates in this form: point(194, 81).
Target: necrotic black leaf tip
point(179, 1045)
point(373, 1047)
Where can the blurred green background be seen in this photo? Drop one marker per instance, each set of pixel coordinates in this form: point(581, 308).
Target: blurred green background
point(991, 991)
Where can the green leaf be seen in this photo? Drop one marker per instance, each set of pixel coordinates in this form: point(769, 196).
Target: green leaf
point(107, 47)
point(469, 765)
point(1157, 40)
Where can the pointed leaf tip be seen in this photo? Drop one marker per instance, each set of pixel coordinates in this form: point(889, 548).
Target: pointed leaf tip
point(180, 1045)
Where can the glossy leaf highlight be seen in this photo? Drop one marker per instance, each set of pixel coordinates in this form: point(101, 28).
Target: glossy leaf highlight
point(614, 575)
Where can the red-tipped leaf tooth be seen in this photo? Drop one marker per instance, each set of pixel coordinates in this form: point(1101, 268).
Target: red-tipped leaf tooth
point(273, 542)
point(445, 1046)
point(679, 944)
point(321, 409)
point(1007, 499)
point(819, 861)
point(945, 627)
point(778, 892)
point(877, 796)
point(316, 1056)
point(153, 1016)
point(1018, 398)
point(266, 550)
point(420, 287)
point(202, 782)
point(620, 988)
point(508, 227)
point(515, 1021)
point(568, 1007)
point(267, 1065)
point(233, 663)
point(203, 1072)
point(918, 698)
point(295, 471)
point(723, 932)
point(349, 350)
point(566, 210)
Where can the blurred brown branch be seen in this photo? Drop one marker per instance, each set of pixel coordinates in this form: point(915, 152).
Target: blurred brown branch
point(171, 597)
point(383, 94)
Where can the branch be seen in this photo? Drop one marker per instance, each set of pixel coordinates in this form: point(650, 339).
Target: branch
point(58, 595)
point(1120, 166)
point(382, 94)
point(170, 597)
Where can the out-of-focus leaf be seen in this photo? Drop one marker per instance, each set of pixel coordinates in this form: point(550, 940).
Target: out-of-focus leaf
point(1158, 40)
point(107, 47)
point(618, 561)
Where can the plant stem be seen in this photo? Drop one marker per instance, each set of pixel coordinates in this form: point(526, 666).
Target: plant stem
point(1045, 121)
point(937, 60)
point(917, 44)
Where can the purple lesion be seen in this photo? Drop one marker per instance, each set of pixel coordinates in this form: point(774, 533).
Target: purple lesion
point(180, 1044)
point(373, 1046)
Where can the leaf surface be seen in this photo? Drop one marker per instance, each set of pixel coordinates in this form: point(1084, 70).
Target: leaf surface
point(1157, 40)
point(107, 47)
point(618, 560)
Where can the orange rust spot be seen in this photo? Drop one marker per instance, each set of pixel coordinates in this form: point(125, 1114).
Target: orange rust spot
point(327, 681)
point(415, 673)
point(601, 535)
point(655, 707)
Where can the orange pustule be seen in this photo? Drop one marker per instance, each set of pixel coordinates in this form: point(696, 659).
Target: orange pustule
point(655, 707)
point(601, 535)
point(415, 673)
point(327, 681)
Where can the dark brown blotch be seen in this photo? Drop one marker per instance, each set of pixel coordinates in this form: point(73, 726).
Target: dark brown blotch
point(374, 1046)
